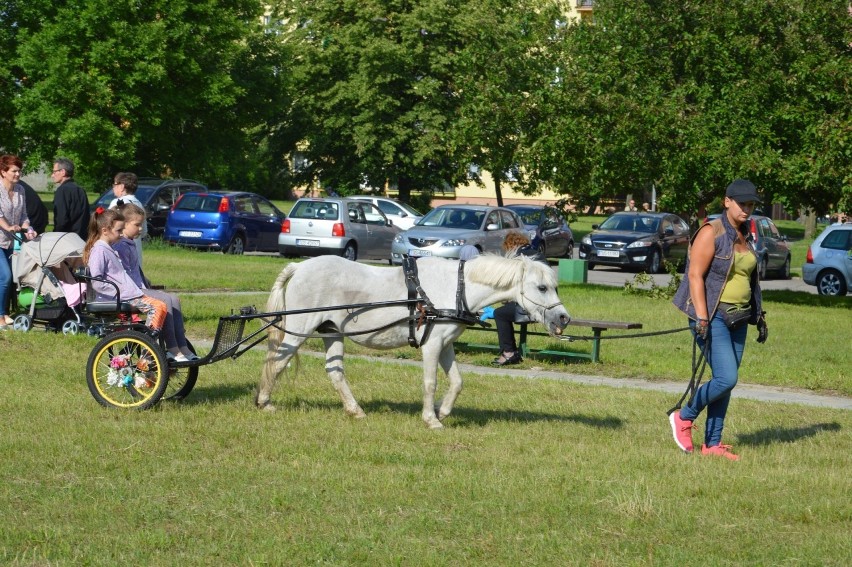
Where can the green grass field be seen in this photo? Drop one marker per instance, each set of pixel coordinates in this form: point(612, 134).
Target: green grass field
point(527, 472)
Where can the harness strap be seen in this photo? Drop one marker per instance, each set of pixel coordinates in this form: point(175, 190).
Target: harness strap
point(699, 364)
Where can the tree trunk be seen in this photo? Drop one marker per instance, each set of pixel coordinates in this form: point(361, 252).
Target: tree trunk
point(809, 216)
point(403, 184)
point(498, 191)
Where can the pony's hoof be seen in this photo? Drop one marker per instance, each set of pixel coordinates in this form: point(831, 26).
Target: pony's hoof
point(435, 425)
point(357, 413)
point(268, 408)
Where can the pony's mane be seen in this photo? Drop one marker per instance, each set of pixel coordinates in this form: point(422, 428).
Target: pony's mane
point(505, 272)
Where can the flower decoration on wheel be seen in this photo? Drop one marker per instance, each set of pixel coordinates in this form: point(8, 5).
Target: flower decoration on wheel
point(123, 372)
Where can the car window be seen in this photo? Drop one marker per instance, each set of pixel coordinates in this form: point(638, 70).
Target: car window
point(243, 204)
point(265, 208)
point(320, 210)
point(493, 218)
point(551, 220)
point(372, 214)
point(508, 220)
point(389, 208)
point(773, 229)
point(202, 203)
point(356, 214)
point(837, 240)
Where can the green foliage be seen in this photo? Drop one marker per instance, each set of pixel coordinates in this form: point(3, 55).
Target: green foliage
point(643, 284)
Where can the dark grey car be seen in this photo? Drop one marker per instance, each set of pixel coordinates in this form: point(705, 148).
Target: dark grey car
point(549, 226)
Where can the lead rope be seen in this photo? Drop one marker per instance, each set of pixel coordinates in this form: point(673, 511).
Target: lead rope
point(699, 364)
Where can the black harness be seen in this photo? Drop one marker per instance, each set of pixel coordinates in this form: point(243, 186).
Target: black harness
point(419, 303)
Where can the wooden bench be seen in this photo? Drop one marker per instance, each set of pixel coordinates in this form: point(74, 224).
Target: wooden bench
point(597, 328)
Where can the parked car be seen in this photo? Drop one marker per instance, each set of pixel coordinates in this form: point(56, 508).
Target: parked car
point(231, 221)
point(445, 229)
point(829, 261)
point(346, 227)
point(157, 196)
point(400, 214)
point(637, 240)
point(772, 248)
point(549, 226)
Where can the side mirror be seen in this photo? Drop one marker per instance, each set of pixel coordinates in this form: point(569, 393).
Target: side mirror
point(492, 226)
point(388, 222)
point(403, 214)
point(669, 232)
point(595, 226)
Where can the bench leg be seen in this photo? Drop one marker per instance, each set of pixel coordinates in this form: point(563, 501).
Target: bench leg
point(522, 341)
point(596, 344)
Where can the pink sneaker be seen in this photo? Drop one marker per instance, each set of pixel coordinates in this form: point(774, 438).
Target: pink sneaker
point(682, 431)
point(720, 451)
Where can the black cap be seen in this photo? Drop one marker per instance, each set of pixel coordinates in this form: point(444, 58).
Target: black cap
point(742, 191)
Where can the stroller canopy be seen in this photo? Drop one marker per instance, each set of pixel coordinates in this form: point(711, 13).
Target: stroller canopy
point(62, 251)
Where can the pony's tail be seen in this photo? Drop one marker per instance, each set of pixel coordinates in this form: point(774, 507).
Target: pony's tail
point(276, 301)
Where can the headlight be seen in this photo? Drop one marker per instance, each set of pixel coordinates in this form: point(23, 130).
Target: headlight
point(398, 238)
point(641, 244)
point(454, 242)
point(587, 240)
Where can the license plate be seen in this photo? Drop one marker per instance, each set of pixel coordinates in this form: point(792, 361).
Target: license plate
point(608, 253)
point(419, 253)
point(190, 233)
point(302, 242)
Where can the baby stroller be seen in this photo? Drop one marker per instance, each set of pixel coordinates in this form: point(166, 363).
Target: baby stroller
point(47, 291)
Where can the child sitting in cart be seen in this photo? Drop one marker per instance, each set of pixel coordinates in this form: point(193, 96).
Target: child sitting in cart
point(173, 332)
point(105, 228)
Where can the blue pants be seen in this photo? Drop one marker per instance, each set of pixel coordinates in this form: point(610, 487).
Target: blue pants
point(5, 278)
point(724, 357)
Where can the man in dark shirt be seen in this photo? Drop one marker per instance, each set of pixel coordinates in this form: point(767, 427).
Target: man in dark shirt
point(70, 203)
point(36, 211)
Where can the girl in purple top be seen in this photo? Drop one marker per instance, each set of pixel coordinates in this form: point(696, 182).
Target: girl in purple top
point(174, 334)
point(105, 228)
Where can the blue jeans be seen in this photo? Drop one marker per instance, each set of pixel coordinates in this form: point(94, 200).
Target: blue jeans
point(724, 357)
point(5, 279)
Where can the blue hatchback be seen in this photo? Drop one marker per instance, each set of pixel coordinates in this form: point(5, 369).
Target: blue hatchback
point(231, 221)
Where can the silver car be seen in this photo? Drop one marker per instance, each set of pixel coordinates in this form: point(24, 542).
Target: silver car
point(445, 229)
point(343, 227)
point(399, 213)
point(829, 262)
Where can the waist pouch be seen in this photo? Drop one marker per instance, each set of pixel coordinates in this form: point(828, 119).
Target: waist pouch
point(735, 316)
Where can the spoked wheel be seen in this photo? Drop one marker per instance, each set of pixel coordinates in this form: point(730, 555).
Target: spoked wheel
point(22, 323)
point(181, 380)
point(127, 369)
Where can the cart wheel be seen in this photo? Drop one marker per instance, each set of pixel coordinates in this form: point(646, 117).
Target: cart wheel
point(181, 380)
point(23, 323)
point(127, 369)
point(70, 328)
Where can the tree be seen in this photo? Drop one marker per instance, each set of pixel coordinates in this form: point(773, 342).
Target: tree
point(164, 87)
point(374, 81)
point(689, 95)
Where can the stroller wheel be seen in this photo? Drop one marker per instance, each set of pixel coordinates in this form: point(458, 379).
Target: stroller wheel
point(23, 323)
point(70, 328)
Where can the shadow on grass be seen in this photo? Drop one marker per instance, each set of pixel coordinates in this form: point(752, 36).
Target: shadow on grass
point(467, 417)
point(790, 435)
point(219, 394)
point(803, 298)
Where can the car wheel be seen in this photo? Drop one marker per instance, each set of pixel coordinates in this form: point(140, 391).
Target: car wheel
point(569, 252)
point(591, 265)
point(654, 262)
point(350, 252)
point(236, 246)
point(785, 271)
point(764, 264)
point(831, 282)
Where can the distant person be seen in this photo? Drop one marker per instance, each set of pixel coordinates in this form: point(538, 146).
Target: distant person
point(631, 206)
point(511, 312)
point(646, 208)
point(124, 187)
point(13, 219)
point(70, 203)
point(35, 208)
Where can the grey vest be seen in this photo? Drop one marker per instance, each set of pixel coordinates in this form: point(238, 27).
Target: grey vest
point(717, 274)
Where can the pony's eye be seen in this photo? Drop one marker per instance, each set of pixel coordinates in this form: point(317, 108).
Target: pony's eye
point(542, 288)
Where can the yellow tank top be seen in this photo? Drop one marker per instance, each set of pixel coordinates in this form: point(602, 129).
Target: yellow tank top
point(738, 286)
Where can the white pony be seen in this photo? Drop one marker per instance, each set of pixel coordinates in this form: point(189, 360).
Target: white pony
point(330, 281)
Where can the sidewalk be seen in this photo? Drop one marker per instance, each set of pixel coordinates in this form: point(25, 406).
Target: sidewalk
point(746, 391)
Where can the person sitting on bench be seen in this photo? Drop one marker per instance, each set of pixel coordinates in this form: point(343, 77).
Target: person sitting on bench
point(510, 313)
